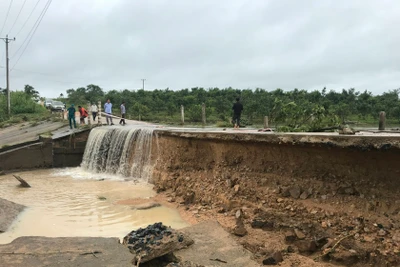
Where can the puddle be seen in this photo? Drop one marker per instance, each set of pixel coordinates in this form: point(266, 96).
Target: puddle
point(72, 202)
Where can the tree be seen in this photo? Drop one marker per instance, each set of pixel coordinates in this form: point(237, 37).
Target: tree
point(31, 92)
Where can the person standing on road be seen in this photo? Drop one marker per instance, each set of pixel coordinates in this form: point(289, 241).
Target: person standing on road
point(123, 112)
point(237, 111)
point(71, 116)
point(83, 114)
point(94, 111)
point(108, 111)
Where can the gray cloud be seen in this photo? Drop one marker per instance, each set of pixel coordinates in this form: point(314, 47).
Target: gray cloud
point(177, 44)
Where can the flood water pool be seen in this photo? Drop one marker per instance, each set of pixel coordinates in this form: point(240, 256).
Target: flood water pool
point(72, 202)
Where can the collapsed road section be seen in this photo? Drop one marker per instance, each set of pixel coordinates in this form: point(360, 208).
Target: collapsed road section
point(331, 198)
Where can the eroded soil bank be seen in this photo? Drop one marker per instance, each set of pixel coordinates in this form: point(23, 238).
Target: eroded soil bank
point(299, 195)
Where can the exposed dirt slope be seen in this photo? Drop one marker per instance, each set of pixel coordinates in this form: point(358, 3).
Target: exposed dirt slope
point(296, 195)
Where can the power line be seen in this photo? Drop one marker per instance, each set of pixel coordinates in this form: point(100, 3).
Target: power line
point(8, 12)
point(28, 17)
point(15, 21)
point(31, 30)
point(41, 18)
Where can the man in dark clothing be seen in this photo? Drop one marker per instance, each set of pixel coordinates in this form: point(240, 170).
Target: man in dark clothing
point(71, 116)
point(237, 111)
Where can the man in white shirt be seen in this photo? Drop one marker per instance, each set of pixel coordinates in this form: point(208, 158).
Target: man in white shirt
point(108, 111)
point(94, 111)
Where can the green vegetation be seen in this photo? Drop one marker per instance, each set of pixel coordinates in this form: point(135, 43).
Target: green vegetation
point(296, 110)
point(24, 108)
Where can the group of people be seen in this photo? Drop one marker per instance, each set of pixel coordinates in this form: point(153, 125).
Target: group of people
point(237, 111)
point(94, 109)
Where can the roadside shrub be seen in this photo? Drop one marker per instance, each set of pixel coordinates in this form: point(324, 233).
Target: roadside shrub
point(23, 103)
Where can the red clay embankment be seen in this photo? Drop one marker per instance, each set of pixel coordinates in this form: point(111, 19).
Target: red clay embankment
point(297, 193)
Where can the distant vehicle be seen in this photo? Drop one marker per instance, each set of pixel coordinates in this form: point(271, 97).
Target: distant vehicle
point(57, 106)
point(47, 103)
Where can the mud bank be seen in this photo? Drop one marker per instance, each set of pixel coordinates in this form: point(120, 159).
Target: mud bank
point(301, 194)
point(9, 211)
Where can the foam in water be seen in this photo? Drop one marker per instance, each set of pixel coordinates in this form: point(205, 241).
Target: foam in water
point(121, 151)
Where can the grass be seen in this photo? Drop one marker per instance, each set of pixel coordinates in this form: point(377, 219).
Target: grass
point(32, 118)
point(46, 134)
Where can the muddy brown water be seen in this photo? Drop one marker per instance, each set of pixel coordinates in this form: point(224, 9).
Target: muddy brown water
point(72, 202)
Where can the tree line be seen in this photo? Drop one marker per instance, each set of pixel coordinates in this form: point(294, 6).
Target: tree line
point(297, 110)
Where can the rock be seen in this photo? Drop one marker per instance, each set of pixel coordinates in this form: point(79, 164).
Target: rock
point(290, 249)
point(396, 237)
point(299, 234)
point(279, 200)
point(239, 214)
point(236, 188)
point(2, 173)
point(155, 241)
point(146, 206)
point(273, 259)
point(184, 264)
point(189, 198)
point(324, 224)
point(381, 232)
point(262, 224)
point(290, 236)
point(349, 190)
point(221, 210)
point(285, 192)
point(304, 195)
point(295, 191)
point(171, 199)
point(239, 229)
point(306, 246)
point(368, 238)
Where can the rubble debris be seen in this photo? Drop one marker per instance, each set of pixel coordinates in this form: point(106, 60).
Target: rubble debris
point(239, 229)
point(299, 234)
point(146, 206)
point(155, 241)
point(306, 246)
point(273, 259)
point(22, 181)
point(262, 224)
point(295, 191)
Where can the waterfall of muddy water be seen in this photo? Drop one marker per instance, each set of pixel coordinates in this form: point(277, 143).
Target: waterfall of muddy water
point(73, 202)
point(122, 151)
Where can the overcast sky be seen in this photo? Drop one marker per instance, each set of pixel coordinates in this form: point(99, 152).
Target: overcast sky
point(179, 44)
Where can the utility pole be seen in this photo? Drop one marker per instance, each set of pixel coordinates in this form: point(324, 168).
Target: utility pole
point(7, 40)
point(143, 82)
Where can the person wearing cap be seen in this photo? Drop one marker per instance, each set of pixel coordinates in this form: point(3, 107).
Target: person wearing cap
point(71, 115)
